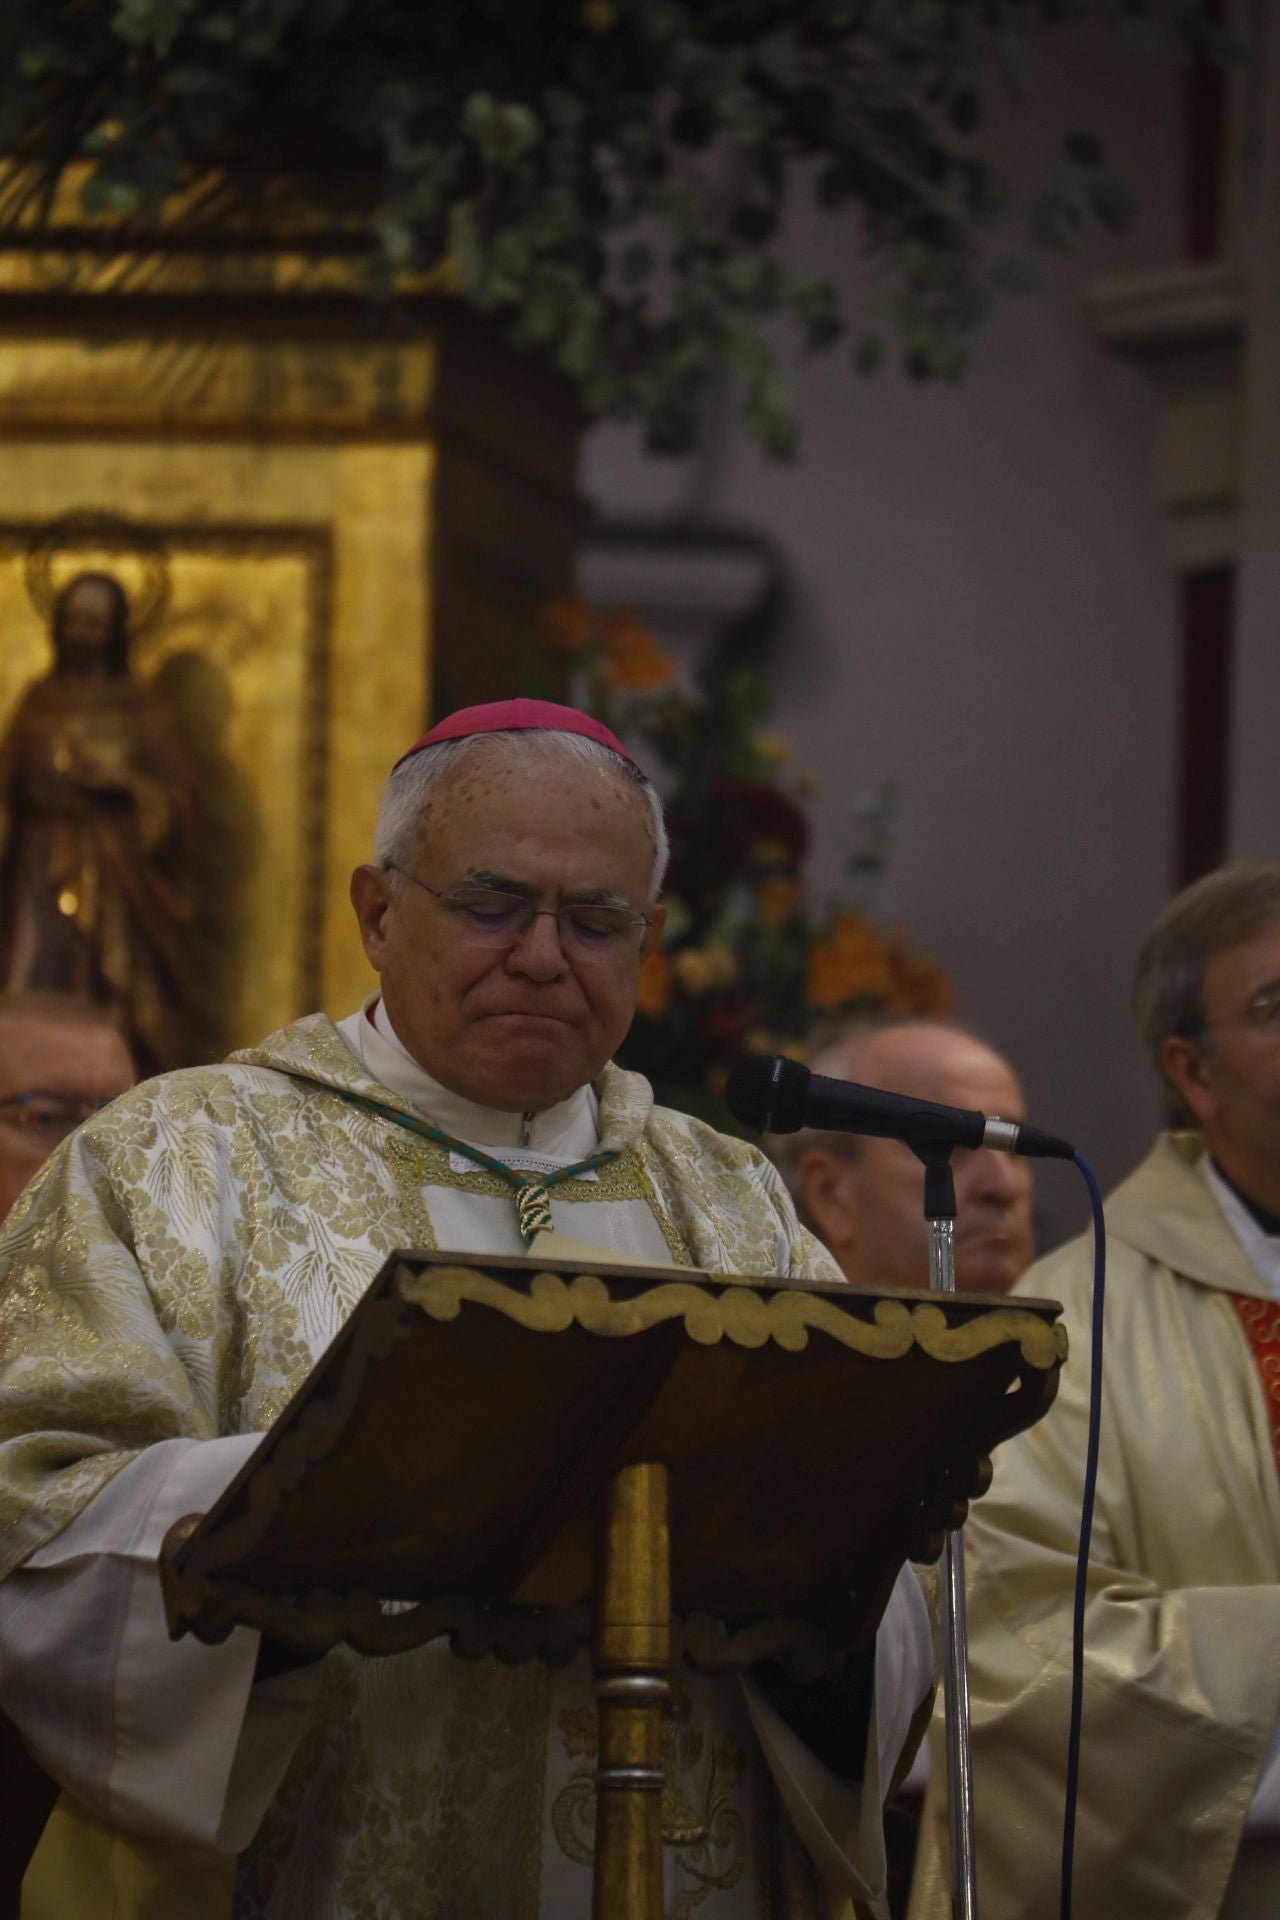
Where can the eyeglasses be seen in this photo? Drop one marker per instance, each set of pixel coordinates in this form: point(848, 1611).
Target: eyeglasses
point(45, 1116)
point(491, 918)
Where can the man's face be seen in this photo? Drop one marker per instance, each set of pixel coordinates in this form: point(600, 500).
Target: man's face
point(74, 1062)
point(869, 1208)
point(1231, 1080)
point(524, 1027)
point(85, 623)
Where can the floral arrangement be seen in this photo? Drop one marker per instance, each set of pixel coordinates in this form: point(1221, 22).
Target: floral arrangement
point(746, 961)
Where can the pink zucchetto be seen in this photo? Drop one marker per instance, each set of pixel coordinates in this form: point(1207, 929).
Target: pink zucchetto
point(517, 716)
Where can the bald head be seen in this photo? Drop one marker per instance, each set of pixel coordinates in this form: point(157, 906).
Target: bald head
point(864, 1198)
point(927, 1060)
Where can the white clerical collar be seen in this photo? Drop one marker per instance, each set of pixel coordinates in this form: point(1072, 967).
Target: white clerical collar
point(1260, 1249)
point(569, 1129)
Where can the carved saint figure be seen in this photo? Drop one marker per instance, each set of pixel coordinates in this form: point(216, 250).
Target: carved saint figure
point(96, 818)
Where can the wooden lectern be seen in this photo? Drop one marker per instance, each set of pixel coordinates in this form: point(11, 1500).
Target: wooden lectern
point(528, 1457)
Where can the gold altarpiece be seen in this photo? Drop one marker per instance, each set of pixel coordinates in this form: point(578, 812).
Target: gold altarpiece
point(359, 518)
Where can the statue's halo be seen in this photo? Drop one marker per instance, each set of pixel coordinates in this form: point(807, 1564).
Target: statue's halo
point(91, 540)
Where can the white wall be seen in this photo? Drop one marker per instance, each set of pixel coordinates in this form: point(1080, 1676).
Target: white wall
point(1256, 763)
point(982, 611)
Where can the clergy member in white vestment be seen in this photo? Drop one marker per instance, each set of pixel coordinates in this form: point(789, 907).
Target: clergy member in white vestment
point(1179, 1807)
point(173, 1275)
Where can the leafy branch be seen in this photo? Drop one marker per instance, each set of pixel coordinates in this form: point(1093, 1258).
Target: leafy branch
point(607, 181)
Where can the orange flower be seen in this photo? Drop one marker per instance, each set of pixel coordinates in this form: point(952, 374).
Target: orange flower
point(565, 625)
point(704, 969)
point(724, 966)
point(654, 994)
point(777, 902)
point(772, 748)
point(851, 964)
point(636, 663)
point(919, 984)
point(692, 969)
point(760, 1040)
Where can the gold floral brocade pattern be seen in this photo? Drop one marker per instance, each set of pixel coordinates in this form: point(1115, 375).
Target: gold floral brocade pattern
point(704, 1834)
point(414, 1825)
point(175, 1272)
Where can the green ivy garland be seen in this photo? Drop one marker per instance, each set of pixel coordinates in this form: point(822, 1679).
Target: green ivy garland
point(606, 180)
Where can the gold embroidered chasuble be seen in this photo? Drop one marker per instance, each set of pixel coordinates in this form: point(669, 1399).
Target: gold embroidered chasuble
point(174, 1272)
point(1182, 1631)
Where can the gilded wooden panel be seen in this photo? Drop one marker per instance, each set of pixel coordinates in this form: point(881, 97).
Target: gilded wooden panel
point(354, 514)
point(295, 637)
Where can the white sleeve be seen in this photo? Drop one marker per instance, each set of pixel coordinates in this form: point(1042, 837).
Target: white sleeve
point(1263, 1817)
point(164, 1737)
point(841, 1824)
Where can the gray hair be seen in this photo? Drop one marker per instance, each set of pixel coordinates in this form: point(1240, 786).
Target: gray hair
point(1224, 909)
point(409, 789)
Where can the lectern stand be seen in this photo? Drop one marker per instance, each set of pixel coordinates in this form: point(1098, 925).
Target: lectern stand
point(530, 1458)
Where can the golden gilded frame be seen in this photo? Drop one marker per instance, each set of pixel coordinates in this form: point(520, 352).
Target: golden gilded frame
point(274, 708)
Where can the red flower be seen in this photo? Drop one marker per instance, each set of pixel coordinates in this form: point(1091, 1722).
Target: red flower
point(758, 823)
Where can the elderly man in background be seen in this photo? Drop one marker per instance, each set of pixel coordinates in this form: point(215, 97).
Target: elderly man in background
point(1179, 1810)
point(864, 1200)
point(61, 1059)
point(864, 1197)
point(183, 1262)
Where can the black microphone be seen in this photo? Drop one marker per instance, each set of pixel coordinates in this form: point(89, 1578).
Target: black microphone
point(777, 1095)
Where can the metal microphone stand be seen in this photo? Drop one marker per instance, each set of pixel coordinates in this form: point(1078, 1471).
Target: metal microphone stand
point(940, 1213)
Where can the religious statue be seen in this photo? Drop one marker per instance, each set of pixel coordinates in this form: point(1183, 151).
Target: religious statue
point(97, 814)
